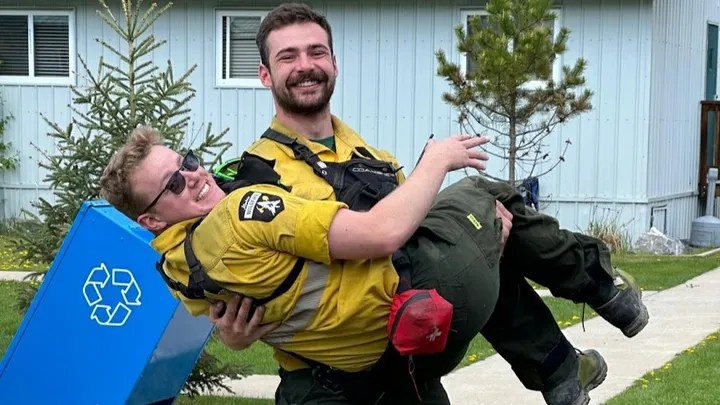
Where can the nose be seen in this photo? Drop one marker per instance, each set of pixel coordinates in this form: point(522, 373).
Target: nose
point(304, 62)
point(191, 178)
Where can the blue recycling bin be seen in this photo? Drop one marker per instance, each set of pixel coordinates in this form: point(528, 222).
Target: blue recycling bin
point(103, 328)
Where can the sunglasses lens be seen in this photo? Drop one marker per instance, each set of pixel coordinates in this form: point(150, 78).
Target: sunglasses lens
point(176, 184)
point(190, 162)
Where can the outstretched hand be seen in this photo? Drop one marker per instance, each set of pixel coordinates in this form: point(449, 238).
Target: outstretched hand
point(458, 152)
point(233, 327)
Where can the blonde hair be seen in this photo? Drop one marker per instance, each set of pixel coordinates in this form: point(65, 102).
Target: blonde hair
point(115, 184)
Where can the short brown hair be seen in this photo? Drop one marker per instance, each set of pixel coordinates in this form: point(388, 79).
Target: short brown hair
point(115, 184)
point(284, 15)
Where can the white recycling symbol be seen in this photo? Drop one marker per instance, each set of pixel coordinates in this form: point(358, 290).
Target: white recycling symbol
point(97, 281)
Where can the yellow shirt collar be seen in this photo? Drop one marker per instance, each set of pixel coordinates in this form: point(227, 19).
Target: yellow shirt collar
point(346, 139)
point(172, 236)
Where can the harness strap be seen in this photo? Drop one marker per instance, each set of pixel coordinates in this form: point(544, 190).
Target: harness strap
point(301, 152)
point(199, 281)
point(175, 285)
point(199, 278)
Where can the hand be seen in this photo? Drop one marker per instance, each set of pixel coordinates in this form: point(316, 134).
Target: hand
point(233, 328)
point(502, 213)
point(458, 152)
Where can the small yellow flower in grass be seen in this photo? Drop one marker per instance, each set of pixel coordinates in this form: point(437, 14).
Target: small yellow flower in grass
point(690, 350)
point(667, 366)
point(712, 337)
point(472, 357)
point(643, 380)
point(652, 373)
point(566, 323)
point(575, 317)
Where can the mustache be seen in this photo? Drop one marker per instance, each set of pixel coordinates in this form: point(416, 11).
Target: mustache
point(315, 75)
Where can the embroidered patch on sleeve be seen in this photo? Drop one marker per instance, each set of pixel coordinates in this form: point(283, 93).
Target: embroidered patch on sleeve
point(256, 206)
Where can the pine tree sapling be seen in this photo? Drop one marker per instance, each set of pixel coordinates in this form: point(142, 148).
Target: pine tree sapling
point(509, 91)
point(117, 98)
point(8, 160)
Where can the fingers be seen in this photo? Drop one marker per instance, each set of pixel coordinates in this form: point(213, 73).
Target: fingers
point(265, 329)
point(475, 141)
point(257, 317)
point(244, 311)
point(506, 216)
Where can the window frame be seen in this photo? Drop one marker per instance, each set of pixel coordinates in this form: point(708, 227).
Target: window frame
point(68, 80)
point(248, 83)
point(532, 84)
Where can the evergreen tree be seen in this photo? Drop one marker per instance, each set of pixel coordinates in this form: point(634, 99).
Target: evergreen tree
point(507, 50)
point(8, 160)
point(115, 100)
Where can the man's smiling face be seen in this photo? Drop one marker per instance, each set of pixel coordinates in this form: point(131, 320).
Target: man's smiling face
point(302, 69)
point(150, 178)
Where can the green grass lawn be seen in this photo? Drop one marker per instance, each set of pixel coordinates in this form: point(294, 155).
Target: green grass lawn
point(12, 261)
point(690, 378)
point(9, 318)
point(212, 400)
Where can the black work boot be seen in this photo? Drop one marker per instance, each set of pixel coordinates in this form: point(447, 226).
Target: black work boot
point(625, 310)
point(591, 372)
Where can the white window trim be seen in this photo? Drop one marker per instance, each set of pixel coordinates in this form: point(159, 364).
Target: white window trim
point(45, 81)
point(253, 83)
point(533, 84)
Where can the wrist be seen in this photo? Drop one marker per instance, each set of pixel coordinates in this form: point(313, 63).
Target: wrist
point(435, 161)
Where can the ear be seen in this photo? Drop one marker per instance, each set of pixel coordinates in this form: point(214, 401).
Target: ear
point(151, 223)
point(335, 66)
point(264, 75)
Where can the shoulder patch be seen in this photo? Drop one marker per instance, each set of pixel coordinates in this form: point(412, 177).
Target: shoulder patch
point(256, 206)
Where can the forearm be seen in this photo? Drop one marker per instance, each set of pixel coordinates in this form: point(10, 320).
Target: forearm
point(390, 223)
point(400, 213)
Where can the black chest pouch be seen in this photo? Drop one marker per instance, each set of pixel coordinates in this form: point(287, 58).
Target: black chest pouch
point(359, 182)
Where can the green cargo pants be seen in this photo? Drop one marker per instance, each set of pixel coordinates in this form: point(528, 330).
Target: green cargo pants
point(456, 251)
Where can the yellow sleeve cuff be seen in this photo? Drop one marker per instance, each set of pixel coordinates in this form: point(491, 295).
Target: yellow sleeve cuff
point(313, 227)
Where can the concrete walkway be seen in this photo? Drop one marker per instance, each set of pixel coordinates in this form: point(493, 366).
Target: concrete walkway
point(680, 318)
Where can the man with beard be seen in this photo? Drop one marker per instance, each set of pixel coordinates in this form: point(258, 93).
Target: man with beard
point(299, 67)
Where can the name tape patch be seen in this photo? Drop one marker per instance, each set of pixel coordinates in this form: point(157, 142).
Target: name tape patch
point(256, 206)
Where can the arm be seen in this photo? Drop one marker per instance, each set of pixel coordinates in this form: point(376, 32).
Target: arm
point(390, 223)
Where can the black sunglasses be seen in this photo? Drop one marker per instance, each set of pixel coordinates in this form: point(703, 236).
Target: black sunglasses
point(176, 184)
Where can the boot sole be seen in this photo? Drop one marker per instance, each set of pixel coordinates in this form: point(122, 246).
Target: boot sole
point(638, 324)
point(584, 398)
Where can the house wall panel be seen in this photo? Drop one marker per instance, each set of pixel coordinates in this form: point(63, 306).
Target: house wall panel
point(389, 91)
point(677, 86)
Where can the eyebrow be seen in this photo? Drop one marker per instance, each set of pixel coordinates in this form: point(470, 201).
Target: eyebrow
point(293, 49)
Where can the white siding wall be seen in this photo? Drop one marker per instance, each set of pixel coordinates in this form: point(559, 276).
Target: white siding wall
point(604, 176)
point(389, 92)
point(677, 85)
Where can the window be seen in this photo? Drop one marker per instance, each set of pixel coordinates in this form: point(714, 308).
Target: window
point(37, 47)
point(469, 65)
point(237, 55)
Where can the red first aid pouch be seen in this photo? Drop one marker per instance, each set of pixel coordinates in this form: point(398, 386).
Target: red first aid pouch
point(419, 322)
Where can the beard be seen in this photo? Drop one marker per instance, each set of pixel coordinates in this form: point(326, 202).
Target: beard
point(305, 105)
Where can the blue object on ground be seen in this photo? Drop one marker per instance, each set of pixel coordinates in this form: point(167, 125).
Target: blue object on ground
point(103, 327)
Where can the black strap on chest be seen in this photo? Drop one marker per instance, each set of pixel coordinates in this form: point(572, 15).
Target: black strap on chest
point(200, 283)
point(360, 182)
